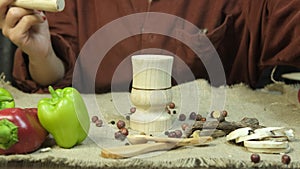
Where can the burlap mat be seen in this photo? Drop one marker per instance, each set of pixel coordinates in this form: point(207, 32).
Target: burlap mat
point(275, 105)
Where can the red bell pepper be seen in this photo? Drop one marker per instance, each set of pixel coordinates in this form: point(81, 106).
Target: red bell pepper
point(20, 131)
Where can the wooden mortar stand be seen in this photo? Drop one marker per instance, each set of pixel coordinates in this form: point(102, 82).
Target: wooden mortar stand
point(151, 93)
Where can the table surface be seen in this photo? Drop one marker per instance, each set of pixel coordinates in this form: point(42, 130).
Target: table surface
point(276, 105)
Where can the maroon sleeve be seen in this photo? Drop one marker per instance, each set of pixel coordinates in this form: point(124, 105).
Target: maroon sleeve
point(63, 28)
point(280, 32)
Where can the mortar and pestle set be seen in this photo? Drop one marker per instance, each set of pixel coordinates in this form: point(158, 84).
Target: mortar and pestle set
point(150, 95)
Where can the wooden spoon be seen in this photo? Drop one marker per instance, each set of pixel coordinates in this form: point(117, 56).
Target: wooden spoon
point(138, 149)
point(140, 139)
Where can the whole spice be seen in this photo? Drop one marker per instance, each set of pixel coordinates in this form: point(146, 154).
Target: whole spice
point(285, 159)
point(181, 117)
point(225, 126)
point(203, 119)
point(198, 117)
point(6, 99)
point(94, 119)
point(121, 124)
point(20, 131)
point(184, 126)
point(124, 131)
point(255, 158)
point(65, 116)
point(224, 113)
point(172, 134)
point(132, 110)
point(119, 136)
point(172, 105)
point(193, 116)
point(99, 123)
point(178, 133)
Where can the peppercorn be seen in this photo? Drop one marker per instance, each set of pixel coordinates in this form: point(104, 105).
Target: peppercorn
point(132, 110)
point(286, 159)
point(119, 135)
point(184, 126)
point(182, 117)
point(255, 158)
point(94, 119)
point(178, 133)
point(172, 134)
point(198, 117)
point(99, 123)
point(172, 105)
point(224, 113)
point(203, 119)
point(121, 124)
point(192, 116)
point(124, 131)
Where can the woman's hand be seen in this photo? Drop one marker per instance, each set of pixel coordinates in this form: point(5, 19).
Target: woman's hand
point(29, 30)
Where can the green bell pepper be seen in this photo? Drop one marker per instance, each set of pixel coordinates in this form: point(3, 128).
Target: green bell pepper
point(64, 116)
point(6, 99)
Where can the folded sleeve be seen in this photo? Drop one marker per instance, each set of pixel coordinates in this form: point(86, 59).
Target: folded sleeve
point(281, 30)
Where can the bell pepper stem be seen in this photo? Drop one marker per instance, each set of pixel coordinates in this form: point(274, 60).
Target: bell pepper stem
point(53, 92)
point(8, 134)
point(6, 98)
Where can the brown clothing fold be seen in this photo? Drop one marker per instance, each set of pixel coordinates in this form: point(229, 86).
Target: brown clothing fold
point(248, 36)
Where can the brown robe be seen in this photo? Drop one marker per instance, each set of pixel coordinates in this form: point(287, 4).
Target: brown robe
point(248, 36)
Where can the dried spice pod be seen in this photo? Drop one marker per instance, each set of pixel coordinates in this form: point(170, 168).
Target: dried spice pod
point(225, 126)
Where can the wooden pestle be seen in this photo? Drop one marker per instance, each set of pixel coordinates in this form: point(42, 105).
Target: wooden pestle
point(43, 5)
